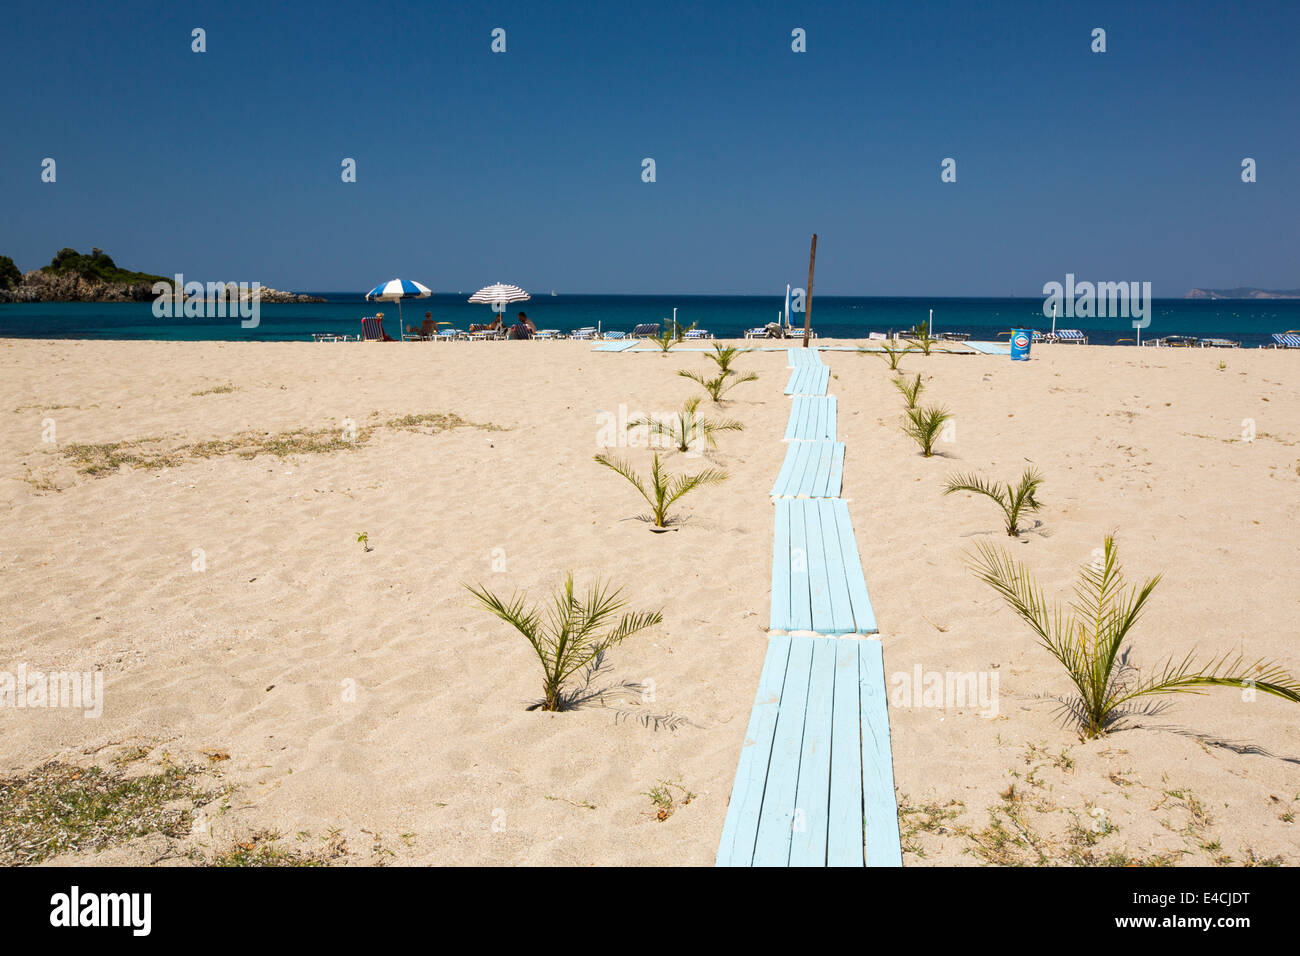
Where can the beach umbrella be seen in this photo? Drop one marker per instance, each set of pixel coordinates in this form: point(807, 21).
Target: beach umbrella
point(395, 290)
point(499, 294)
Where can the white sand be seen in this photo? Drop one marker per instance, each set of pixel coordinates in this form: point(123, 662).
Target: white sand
point(252, 656)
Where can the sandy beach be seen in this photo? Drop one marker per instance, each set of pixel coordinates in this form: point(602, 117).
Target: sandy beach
point(357, 696)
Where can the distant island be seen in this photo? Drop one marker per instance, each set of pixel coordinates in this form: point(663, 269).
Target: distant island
point(1243, 292)
point(72, 276)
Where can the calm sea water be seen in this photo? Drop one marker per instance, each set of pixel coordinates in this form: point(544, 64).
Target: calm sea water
point(1248, 321)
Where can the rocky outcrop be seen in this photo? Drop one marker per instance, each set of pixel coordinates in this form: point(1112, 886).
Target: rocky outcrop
point(1244, 292)
point(39, 286)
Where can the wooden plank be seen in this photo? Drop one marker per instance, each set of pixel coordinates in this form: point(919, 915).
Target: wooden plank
point(835, 476)
point(780, 487)
point(790, 386)
point(844, 836)
point(819, 540)
point(740, 830)
point(807, 461)
point(798, 416)
point(820, 486)
point(812, 798)
point(779, 618)
point(842, 620)
point(820, 380)
point(800, 596)
point(818, 429)
point(879, 803)
point(832, 409)
point(864, 618)
point(777, 814)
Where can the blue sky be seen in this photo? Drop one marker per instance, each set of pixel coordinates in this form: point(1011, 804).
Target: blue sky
point(525, 167)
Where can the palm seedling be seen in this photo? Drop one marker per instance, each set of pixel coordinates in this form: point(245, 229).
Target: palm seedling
point(925, 425)
point(724, 356)
point(571, 633)
point(1089, 641)
point(664, 489)
point(721, 384)
point(922, 338)
point(911, 389)
point(687, 426)
point(889, 352)
point(670, 335)
point(1014, 499)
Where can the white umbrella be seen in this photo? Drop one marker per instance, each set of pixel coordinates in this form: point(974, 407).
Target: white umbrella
point(395, 290)
point(498, 294)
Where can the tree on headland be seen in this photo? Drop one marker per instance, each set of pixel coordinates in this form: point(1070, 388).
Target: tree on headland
point(97, 265)
point(10, 274)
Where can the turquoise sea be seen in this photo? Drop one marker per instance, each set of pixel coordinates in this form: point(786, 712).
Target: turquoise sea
point(1246, 320)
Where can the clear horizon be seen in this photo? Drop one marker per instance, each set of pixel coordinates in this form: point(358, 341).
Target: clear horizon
point(526, 166)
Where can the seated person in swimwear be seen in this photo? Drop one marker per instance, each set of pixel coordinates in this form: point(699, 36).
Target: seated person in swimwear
point(496, 325)
point(524, 329)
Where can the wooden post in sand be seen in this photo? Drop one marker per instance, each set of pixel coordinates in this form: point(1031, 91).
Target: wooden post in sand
point(807, 305)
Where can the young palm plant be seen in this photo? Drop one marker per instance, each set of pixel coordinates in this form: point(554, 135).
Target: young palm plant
point(922, 338)
point(670, 335)
point(664, 490)
point(911, 389)
point(1089, 641)
point(925, 425)
point(724, 356)
point(721, 384)
point(889, 352)
point(1014, 499)
point(686, 427)
point(571, 633)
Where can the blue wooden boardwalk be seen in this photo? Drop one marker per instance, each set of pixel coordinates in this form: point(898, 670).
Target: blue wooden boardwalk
point(799, 358)
point(812, 418)
point(809, 380)
point(812, 469)
point(817, 580)
point(815, 782)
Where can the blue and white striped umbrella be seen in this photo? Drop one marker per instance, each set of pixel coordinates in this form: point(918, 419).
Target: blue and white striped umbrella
point(395, 290)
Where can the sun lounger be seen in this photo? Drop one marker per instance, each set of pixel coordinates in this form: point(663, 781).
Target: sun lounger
point(759, 333)
point(328, 337)
point(548, 334)
point(614, 336)
point(699, 334)
point(1218, 344)
point(585, 334)
point(1071, 335)
point(372, 330)
point(646, 330)
point(449, 335)
point(1286, 340)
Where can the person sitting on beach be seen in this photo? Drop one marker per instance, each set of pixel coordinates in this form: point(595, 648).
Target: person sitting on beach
point(524, 329)
point(496, 325)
